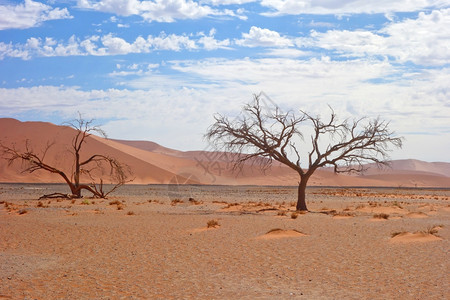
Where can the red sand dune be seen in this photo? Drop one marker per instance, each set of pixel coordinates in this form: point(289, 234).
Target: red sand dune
point(152, 163)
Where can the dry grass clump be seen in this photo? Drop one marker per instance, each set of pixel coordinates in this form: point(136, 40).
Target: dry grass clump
point(381, 216)
point(115, 202)
point(22, 211)
point(342, 213)
point(432, 230)
point(131, 213)
point(232, 204)
point(195, 202)
point(212, 224)
point(40, 204)
point(294, 215)
point(176, 201)
point(85, 202)
point(281, 213)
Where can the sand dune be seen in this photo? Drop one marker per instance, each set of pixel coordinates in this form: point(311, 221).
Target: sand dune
point(152, 163)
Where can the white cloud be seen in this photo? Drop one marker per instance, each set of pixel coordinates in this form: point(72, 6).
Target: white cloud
point(164, 108)
point(423, 41)
point(110, 45)
point(340, 7)
point(262, 37)
point(29, 14)
point(156, 10)
point(210, 43)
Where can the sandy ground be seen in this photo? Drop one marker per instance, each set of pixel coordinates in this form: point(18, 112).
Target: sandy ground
point(151, 242)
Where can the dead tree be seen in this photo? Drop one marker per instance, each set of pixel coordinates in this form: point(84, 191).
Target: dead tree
point(260, 134)
point(92, 168)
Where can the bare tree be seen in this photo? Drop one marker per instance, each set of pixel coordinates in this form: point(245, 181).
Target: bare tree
point(92, 168)
point(262, 135)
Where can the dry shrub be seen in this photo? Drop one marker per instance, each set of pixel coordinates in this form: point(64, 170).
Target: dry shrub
point(381, 216)
point(130, 213)
point(120, 207)
point(294, 215)
point(195, 202)
point(115, 202)
point(212, 224)
point(342, 213)
point(281, 213)
point(432, 230)
point(176, 201)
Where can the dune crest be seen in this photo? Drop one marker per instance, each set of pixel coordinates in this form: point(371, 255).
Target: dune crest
point(155, 164)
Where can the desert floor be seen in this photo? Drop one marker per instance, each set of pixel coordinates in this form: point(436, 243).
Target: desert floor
point(152, 242)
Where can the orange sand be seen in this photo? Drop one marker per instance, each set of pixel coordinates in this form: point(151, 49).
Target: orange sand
point(154, 250)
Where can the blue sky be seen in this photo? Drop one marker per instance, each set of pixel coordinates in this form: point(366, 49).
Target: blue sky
point(158, 70)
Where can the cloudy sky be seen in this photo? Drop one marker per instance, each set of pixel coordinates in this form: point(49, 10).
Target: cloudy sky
point(159, 69)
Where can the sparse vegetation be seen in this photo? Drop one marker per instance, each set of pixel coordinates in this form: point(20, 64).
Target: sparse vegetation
point(22, 211)
point(281, 213)
point(381, 216)
point(294, 215)
point(212, 224)
point(91, 168)
point(263, 133)
point(176, 201)
point(130, 213)
point(195, 202)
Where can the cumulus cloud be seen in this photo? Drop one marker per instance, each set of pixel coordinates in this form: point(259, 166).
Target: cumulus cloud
point(156, 10)
point(169, 106)
point(348, 6)
point(29, 14)
point(109, 45)
point(262, 37)
point(423, 41)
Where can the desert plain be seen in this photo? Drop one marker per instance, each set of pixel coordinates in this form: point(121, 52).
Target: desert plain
point(224, 242)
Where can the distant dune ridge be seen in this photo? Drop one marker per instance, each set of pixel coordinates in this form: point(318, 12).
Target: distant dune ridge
point(154, 164)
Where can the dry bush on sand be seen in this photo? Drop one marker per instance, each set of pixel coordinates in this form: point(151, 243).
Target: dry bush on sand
point(212, 224)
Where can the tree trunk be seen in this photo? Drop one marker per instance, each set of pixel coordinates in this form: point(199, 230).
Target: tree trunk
point(301, 200)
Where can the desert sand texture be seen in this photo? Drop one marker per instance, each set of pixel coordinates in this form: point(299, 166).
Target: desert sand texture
point(224, 242)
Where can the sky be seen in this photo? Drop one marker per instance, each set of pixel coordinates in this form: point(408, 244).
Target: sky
point(159, 70)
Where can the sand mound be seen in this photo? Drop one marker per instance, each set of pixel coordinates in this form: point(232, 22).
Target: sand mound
point(416, 215)
point(382, 210)
point(407, 237)
point(280, 233)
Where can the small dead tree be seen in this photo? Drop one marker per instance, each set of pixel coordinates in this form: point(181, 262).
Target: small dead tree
point(262, 135)
point(92, 168)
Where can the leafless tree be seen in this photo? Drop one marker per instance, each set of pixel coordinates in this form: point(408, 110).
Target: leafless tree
point(92, 168)
point(262, 135)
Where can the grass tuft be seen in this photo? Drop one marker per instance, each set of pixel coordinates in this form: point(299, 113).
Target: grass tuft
point(381, 216)
point(212, 224)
